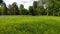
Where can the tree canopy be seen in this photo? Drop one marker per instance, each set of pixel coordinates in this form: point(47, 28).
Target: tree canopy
point(1, 1)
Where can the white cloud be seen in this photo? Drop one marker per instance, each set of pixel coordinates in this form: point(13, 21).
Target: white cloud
point(26, 3)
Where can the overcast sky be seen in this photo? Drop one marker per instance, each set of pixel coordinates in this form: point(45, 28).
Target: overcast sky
point(26, 3)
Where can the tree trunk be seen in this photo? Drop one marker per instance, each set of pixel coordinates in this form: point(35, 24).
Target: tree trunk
point(53, 13)
point(47, 13)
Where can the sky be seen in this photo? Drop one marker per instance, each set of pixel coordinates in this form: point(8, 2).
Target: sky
point(26, 3)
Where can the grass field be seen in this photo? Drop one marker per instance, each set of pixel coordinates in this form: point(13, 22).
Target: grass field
point(29, 25)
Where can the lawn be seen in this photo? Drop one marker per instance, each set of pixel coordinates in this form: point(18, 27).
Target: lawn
point(29, 25)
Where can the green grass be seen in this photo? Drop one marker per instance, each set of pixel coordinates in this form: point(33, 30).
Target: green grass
point(29, 25)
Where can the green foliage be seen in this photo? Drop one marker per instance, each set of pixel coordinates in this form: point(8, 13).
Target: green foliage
point(53, 8)
point(23, 11)
point(35, 8)
point(10, 10)
point(54, 5)
point(15, 9)
point(41, 10)
point(3, 9)
point(35, 4)
point(31, 10)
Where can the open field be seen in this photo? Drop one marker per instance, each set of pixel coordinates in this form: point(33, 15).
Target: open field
point(29, 25)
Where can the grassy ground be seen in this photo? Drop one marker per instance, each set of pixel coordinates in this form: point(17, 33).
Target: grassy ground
point(29, 25)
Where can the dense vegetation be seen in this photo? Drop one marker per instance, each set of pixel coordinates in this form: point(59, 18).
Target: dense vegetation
point(52, 8)
point(29, 25)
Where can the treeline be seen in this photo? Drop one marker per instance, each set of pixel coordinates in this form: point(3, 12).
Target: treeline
point(53, 8)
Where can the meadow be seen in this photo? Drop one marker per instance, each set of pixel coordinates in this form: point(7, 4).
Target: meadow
point(29, 25)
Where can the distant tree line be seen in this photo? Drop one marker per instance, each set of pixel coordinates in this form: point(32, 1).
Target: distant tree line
point(53, 9)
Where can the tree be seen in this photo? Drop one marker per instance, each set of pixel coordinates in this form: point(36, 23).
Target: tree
point(54, 6)
point(1, 1)
point(15, 9)
point(31, 10)
point(23, 11)
point(10, 10)
point(21, 8)
point(35, 8)
point(41, 10)
point(3, 9)
point(35, 4)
